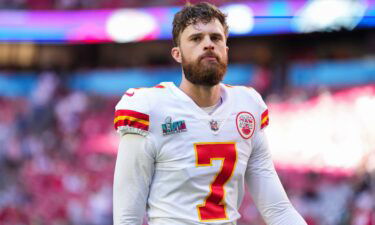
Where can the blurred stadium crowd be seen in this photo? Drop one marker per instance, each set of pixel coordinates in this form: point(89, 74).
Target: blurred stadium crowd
point(49, 175)
point(58, 145)
point(46, 178)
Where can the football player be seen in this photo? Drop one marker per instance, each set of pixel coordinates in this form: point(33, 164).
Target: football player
point(187, 151)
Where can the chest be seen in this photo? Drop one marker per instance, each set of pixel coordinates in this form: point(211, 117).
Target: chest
point(186, 139)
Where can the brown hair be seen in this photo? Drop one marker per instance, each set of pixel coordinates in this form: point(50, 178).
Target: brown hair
point(191, 14)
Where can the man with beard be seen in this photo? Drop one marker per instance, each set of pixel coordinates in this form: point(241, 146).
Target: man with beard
point(186, 152)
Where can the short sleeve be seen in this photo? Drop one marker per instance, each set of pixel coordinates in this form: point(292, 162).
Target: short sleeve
point(132, 113)
point(263, 109)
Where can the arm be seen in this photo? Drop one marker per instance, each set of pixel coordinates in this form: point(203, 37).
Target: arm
point(266, 188)
point(132, 179)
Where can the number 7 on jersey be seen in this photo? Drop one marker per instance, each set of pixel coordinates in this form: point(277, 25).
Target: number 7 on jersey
point(213, 207)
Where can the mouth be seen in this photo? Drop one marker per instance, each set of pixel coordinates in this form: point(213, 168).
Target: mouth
point(209, 57)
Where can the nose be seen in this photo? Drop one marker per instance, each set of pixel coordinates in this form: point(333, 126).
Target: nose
point(208, 44)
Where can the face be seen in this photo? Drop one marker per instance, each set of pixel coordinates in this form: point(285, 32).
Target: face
point(203, 53)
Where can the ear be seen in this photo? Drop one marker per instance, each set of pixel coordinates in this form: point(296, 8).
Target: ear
point(176, 54)
point(227, 48)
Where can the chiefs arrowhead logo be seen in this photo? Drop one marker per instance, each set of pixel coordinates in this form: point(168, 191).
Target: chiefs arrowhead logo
point(245, 124)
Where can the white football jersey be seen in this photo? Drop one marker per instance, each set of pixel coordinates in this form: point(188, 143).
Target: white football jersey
point(201, 160)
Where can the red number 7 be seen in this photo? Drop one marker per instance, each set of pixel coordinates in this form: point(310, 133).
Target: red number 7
point(213, 207)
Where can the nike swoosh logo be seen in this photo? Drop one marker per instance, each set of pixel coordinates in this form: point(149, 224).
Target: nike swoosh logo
point(129, 94)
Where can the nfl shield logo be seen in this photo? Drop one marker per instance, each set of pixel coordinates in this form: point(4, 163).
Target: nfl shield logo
point(245, 124)
point(214, 125)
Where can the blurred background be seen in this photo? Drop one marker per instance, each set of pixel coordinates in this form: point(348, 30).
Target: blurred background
point(64, 65)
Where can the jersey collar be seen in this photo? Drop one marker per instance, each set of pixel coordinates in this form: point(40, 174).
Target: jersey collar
point(221, 114)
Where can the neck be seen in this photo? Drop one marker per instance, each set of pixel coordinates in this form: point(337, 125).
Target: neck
point(203, 96)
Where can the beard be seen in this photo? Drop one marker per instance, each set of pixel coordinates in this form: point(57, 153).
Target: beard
point(205, 72)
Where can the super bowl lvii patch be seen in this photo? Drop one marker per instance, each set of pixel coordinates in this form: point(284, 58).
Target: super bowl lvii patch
point(170, 127)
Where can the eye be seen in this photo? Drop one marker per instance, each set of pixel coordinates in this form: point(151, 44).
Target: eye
point(216, 38)
point(196, 38)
